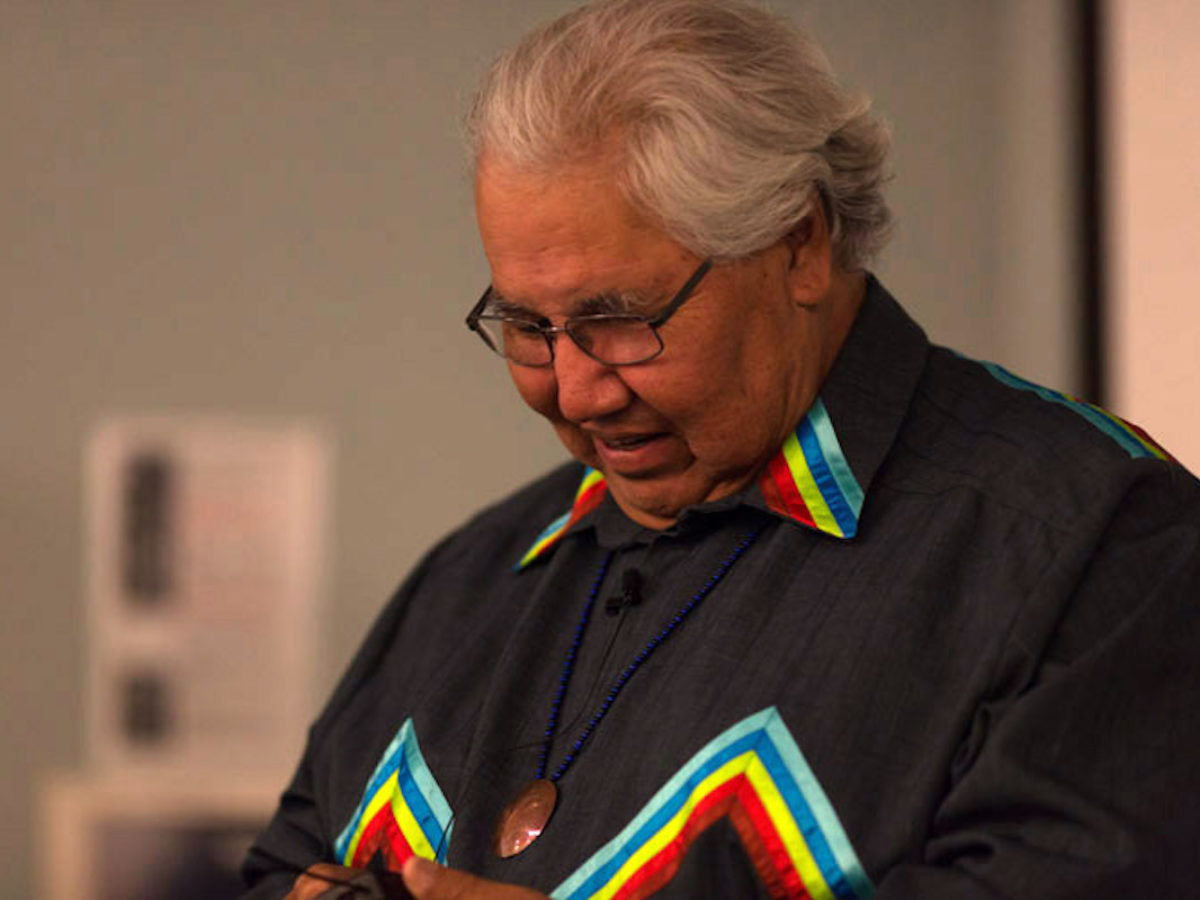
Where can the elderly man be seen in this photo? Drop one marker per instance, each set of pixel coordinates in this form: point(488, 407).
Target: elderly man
point(820, 610)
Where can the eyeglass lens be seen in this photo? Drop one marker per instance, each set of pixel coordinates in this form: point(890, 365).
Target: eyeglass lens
point(616, 340)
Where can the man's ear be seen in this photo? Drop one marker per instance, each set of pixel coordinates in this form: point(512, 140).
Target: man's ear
point(811, 272)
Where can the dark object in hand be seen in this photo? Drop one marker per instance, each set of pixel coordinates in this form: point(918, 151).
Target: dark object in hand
point(367, 885)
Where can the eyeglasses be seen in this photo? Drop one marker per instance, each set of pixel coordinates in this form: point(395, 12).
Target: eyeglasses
point(612, 339)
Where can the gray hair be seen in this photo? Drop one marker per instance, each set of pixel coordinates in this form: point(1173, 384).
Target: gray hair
point(724, 122)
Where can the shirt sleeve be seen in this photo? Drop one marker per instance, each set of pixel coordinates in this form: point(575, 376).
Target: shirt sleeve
point(1085, 782)
point(298, 833)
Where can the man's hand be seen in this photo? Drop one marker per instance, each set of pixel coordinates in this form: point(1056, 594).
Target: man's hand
point(429, 881)
point(318, 879)
point(426, 881)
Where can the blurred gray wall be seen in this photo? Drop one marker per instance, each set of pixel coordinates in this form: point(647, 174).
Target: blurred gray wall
point(259, 206)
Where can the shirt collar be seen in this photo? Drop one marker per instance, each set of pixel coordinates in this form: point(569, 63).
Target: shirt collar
point(819, 477)
point(588, 496)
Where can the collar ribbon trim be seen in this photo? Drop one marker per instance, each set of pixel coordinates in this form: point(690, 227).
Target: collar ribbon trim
point(808, 481)
point(590, 492)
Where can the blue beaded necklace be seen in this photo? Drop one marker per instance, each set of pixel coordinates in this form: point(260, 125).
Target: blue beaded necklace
point(525, 818)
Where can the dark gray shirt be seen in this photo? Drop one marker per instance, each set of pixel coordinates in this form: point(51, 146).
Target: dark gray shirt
point(960, 659)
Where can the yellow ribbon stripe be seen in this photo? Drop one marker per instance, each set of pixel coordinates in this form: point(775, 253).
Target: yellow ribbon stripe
point(377, 803)
point(410, 828)
point(673, 826)
point(807, 486)
point(390, 793)
point(760, 780)
point(790, 835)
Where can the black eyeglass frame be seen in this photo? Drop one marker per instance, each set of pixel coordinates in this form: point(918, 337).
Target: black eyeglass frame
point(549, 331)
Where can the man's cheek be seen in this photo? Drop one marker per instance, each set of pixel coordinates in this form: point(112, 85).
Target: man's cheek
point(578, 444)
point(537, 389)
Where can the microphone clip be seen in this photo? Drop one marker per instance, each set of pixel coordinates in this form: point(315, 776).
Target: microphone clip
point(630, 595)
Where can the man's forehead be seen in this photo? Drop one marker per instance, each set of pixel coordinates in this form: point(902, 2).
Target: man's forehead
point(560, 244)
point(533, 214)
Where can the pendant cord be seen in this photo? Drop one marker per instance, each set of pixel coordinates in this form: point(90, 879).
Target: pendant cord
point(619, 684)
point(569, 665)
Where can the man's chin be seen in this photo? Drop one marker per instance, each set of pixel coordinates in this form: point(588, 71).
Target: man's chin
point(649, 501)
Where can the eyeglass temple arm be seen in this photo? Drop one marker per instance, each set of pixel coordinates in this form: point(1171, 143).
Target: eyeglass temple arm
point(684, 293)
point(477, 309)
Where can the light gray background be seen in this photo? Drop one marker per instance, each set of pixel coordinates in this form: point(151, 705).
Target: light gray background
point(260, 207)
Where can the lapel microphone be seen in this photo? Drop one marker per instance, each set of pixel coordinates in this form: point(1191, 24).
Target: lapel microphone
point(630, 595)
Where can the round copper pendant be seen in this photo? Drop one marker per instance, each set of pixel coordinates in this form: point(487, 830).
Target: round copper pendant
point(523, 819)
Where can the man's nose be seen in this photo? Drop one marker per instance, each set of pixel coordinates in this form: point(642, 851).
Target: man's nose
point(587, 389)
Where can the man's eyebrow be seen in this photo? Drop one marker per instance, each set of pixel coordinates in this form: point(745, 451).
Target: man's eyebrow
point(610, 303)
point(607, 303)
point(498, 305)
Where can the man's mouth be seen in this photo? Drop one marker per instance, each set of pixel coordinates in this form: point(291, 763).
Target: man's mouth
point(628, 441)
